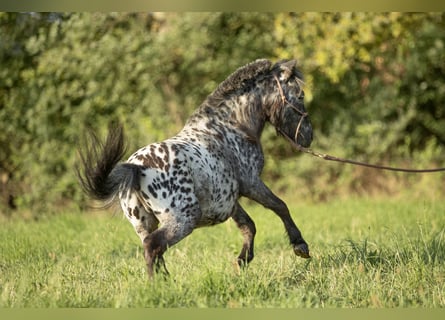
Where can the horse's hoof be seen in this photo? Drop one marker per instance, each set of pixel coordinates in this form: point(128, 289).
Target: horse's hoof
point(302, 250)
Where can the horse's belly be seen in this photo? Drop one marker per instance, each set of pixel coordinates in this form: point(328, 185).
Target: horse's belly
point(216, 212)
point(217, 190)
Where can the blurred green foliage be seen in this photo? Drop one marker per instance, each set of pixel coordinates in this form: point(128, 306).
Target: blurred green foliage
point(375, 88)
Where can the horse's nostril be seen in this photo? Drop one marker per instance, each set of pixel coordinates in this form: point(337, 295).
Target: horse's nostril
point(304, 139)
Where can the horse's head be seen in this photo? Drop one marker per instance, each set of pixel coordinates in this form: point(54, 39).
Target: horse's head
point(287, 112)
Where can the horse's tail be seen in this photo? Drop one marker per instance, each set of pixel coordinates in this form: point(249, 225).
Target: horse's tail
point(101, 175)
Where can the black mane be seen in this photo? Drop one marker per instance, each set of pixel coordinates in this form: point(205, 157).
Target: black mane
point(241, 76)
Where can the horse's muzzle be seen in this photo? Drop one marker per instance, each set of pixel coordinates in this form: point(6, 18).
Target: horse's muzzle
point(304, 135)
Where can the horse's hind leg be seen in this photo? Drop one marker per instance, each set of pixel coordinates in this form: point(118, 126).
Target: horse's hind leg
point(146, 224)
point(247, 227)
point(262, 194)
point(155, 244)
point(176, 224)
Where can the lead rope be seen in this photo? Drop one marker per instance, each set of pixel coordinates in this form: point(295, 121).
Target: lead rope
point(332, 158)
point(354, 162)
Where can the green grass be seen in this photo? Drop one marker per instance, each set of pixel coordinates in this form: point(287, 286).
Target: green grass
point(366, 253)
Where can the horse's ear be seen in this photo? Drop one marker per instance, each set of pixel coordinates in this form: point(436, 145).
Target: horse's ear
point(287, 69)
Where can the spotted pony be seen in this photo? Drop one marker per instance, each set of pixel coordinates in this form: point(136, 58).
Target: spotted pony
point(195, 179)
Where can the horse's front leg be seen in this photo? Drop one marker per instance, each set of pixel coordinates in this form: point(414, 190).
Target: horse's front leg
point(263, 195)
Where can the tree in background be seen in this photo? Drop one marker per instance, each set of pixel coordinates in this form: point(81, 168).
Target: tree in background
point(374, 86)
point(384, 72)
point(377, 86)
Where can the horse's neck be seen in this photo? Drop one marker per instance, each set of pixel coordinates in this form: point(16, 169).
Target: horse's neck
point(247, 110)
point(244, 112)
point(248, 114)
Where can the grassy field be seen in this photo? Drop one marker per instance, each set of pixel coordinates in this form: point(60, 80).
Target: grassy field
point(366, 253)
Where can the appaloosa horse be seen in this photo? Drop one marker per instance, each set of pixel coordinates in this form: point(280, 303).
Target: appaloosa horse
point(195, 178)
